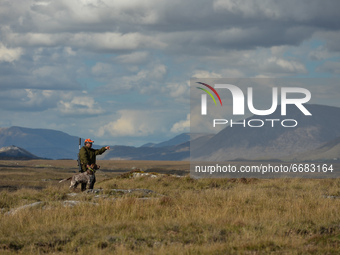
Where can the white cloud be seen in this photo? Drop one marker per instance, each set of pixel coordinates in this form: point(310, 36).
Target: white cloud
point(29, 99)
point(9, 54)
point(281, 65)
point(134, 123)
point(148, 80)
point(265, 62)
point(107, 41)
point(277, 10)
point(157, 72)
point(35, 96)
point(181, 126)
point(205, 74)
point(114, 41)
point(34, 39)
point(69, 51)
point(80, 106)
point(96, 11)
point(134, 57)
point(249, 9)
point(177, 90)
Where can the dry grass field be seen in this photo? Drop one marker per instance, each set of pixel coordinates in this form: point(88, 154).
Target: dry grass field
point(180, 216)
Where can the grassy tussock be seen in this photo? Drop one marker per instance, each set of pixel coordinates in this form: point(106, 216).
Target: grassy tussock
point(205, 216)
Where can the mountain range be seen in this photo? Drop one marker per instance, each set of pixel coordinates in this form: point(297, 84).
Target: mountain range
point(44, 143)
point(316, 137)
point(267, 143)
point(182, 138)
point(13, 152)
point(328, 151)
point(53, 144)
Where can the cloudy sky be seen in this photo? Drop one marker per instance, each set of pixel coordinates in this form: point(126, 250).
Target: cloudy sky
point(118, 71)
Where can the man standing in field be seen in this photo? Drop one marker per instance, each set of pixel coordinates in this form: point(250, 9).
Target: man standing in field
point(87, 157)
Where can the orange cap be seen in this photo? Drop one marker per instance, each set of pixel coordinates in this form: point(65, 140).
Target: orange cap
point(88, 141)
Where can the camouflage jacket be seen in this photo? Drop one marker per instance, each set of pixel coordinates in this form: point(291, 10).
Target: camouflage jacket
point(88, 156)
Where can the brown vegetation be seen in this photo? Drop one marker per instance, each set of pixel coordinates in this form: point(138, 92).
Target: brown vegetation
point(182, 216)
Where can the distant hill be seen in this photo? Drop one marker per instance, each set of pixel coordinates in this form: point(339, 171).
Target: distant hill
point(177, 152)
point(266, 143)
point(328, 151)
point(14, 152)
point(45, 143)
point(182, 138)
point(177, 148)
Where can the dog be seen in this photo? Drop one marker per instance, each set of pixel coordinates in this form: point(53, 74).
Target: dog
point(85, 177)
